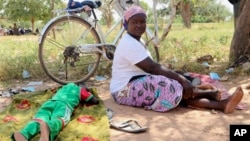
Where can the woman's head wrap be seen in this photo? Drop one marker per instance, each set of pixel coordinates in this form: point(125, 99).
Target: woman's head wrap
point(130, 12)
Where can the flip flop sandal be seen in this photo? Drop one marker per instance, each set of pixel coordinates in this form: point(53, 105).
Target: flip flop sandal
point(130, 126)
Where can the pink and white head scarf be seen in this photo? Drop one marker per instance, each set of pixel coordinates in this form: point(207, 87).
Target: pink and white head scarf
point(133, 10)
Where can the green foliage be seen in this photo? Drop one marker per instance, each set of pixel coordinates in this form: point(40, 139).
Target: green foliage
point(4, 23)
point(29, 10)
point(25, 10)
point(1, 4)
point(208, 11)
point(202, 11)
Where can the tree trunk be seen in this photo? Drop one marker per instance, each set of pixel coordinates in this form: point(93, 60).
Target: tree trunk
point(240, 45)
point(107, 13)
point(171, 21)
point(186, 13)
point(33, 24)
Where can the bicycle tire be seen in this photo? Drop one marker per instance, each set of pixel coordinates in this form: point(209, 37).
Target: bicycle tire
point(61, 35)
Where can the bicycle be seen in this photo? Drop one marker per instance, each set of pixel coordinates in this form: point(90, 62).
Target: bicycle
point(71, 45)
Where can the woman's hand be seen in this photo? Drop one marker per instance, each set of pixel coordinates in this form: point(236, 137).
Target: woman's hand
point(187, 89)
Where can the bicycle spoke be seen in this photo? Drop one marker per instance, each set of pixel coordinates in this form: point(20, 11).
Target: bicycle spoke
point(54, 42)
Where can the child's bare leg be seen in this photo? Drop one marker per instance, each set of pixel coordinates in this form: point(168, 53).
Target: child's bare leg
point(227, 105)
point(44, 131)
point(209, 94)
point(201, 93)
point(19, 137)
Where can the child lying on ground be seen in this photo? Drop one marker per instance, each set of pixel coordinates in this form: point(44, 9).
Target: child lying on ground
point(55, 113)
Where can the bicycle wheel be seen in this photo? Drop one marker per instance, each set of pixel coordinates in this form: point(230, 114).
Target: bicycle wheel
point(57, 50)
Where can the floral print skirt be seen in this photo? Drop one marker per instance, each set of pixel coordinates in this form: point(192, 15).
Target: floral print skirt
point(152, 92)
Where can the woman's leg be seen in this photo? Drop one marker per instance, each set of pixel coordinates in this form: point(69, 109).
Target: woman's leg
point(153, 92)
point(227, 105)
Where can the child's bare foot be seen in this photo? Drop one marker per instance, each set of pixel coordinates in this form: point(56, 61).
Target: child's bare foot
point(44, 131)
point(233, 100)
point(19, 137)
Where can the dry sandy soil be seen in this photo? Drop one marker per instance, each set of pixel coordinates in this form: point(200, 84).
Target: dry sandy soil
point(180, 124)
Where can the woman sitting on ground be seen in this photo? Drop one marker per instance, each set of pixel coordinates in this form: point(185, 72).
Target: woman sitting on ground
point(139, 81)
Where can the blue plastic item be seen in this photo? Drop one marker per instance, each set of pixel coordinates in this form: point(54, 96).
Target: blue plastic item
point(214, 76)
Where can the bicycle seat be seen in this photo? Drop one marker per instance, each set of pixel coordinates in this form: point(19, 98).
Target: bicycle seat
point(91, 3)
point(129, 1)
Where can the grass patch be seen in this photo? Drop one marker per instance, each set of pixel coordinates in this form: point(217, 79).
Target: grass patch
point(181, 48)
point(19, 53)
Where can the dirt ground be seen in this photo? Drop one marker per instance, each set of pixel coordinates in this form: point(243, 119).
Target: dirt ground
point(180, 124)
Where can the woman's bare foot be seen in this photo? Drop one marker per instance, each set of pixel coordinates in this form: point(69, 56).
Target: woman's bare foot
point(233, 100)
point(19, 137)
point(44, 131)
